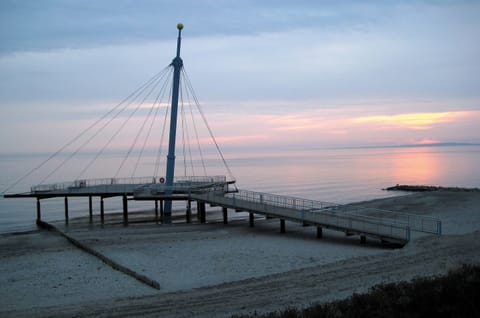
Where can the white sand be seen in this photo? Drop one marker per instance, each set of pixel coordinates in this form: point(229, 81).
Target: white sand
point(247, 268)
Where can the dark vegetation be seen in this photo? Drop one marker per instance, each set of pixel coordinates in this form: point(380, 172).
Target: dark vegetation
point(454, 295)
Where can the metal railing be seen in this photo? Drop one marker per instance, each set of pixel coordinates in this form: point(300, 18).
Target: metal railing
point(308, 211)
point(127, 184)
point(282, 201)
point(387, 217)
point(415, 222)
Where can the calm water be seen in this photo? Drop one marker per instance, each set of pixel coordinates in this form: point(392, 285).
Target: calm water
point(341, 175)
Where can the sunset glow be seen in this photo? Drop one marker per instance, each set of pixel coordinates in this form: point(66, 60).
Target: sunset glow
point(293, 79)
point(415, 167)
point(418, 121)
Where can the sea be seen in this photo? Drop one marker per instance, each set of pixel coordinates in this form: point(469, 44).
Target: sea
point(333, 175)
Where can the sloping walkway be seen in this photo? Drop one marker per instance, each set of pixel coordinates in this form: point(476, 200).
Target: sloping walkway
point(388, 226)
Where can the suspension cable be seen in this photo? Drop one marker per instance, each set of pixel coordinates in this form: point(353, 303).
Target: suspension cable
point(136, 137)
point(109, 121)
point(159, 98)
point(197, 138)
point(139, 132)
point(82, 133)
point(182, 116)
point(187, 131)
point(208, 126)
point(159, 152)
point(138, 93)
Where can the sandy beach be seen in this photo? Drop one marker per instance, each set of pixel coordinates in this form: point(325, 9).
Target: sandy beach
point(216, 270)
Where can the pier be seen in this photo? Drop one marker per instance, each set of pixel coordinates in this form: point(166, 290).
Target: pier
point(217, 190)
point(388, 226)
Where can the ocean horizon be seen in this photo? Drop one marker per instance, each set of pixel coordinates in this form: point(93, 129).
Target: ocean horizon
point(341, 175)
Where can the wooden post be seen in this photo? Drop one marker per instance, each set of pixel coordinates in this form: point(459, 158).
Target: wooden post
point(203, 212)
point(102, 211)
point(363, 239)
point(189, 211)
point(39, 211)
point(66, 210)
point(90, 209)
point(125, 210)
point(156, 211)
point(251, 218)
point(199, 212)
point(225, 215)
point(319, 232)
point(282, 225)
point(161, 211)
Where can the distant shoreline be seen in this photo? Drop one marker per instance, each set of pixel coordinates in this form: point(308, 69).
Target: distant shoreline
point(425, 188)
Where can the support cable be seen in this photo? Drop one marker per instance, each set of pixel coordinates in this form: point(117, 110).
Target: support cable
point(159, 98)
point(118, 130)
point(208, 126)
point(159, 152)
point(109, 121)
point(66, 160)
point(82, 133)
point(182, 115)
point(189, 143)
point(139, 132)
point(197, 136)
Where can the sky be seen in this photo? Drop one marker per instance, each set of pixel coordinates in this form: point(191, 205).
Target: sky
point(274, 75)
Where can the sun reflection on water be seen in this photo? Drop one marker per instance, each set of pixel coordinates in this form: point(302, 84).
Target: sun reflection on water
point(419, 166)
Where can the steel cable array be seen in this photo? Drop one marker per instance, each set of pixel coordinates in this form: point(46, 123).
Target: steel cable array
point(157, 86)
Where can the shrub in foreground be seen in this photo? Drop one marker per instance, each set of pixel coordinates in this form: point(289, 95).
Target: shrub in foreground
point(453, 295)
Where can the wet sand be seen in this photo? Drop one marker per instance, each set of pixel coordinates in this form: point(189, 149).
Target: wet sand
point(208, 270)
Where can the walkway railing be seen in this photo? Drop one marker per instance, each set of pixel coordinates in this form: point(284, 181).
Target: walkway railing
point(117, 184)
point(309, 212)
point(357, 218)
point(415, 222)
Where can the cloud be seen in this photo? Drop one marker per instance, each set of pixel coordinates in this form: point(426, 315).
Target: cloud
point(417, 121)
point(54, 24)
point(275, 74)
